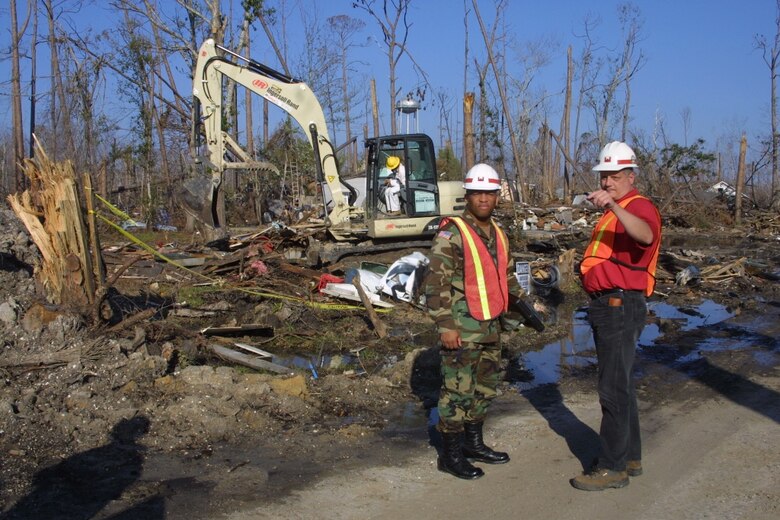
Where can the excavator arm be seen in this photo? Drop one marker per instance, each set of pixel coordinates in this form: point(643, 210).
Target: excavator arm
point(216, 63)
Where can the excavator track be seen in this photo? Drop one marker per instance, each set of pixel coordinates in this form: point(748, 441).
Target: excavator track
point(330, 253)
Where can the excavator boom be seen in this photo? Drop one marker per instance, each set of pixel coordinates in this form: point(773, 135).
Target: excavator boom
point(216, 63)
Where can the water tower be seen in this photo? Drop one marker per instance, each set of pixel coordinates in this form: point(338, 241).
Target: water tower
point(407, 111)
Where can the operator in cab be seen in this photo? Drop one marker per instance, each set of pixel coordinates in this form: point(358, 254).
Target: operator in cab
point(394, 185)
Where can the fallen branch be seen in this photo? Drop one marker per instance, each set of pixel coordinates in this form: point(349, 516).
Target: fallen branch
point(379, 326)
point(51, 359)
point(132, 320)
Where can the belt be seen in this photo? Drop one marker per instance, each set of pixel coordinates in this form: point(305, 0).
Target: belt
point(598, 294)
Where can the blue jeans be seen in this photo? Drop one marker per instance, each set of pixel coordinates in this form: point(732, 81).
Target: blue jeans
point(617, 319)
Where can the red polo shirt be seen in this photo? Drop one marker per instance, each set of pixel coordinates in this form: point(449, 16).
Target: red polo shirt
point(611, 275)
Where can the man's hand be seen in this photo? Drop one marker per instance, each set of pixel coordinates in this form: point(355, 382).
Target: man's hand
point(601, 199)
point(451, 340)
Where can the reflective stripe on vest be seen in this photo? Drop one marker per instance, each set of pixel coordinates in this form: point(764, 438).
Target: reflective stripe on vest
point(485, 283)
point(602, 240)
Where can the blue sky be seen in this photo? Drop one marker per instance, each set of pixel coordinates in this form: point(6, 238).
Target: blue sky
point(700, 56)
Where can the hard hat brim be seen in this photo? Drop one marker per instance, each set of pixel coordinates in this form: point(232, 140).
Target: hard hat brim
point(607, 168)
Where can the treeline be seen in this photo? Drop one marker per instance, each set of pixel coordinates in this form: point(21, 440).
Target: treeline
point(116, 100)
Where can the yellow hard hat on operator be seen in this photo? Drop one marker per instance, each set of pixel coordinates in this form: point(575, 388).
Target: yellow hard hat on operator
point(393, 162)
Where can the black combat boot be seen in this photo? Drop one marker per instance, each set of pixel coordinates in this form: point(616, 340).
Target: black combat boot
point(452, 460)
point(474, 447)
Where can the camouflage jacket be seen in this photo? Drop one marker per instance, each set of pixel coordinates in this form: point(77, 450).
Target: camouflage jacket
point(444, 290)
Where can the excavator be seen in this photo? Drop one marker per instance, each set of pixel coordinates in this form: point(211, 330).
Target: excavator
point(355, 217)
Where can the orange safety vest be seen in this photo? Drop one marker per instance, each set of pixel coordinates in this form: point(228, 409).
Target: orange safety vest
point(487, 293)
point(601, 241)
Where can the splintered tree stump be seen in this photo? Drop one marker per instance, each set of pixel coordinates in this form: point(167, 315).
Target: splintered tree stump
point(52, 213)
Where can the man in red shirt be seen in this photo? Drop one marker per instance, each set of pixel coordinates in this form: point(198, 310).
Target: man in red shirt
point(618, 273)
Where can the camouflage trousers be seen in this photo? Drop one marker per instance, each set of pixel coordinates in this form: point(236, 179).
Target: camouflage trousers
point(470, 377)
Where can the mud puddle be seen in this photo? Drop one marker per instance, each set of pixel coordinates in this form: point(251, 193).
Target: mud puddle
point(577, 350)
point(314, 364)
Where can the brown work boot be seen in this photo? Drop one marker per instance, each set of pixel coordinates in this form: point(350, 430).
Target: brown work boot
point(600, 479)
point(634, 468)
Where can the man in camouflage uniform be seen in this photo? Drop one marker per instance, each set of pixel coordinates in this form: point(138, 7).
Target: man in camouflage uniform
point(470, 353)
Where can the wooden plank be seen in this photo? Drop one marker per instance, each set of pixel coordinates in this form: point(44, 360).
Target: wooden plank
point(249, 348)
point(340, 293)
point(247, 360)
point(241, 330)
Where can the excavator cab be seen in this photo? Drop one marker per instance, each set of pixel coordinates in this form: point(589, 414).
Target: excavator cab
point(419, 195)
point(424, 200)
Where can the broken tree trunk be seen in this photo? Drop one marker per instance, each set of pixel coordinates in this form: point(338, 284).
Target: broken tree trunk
point(379, 326)
point(740, 180)
point(469, 151)
point(54, 218)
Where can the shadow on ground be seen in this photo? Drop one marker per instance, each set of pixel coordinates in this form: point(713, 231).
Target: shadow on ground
point(83, 485)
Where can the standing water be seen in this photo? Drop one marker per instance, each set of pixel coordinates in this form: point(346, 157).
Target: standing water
point(578, 350)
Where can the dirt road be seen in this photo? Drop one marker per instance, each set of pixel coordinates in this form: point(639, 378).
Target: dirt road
point(718, 460)
point(710, 451)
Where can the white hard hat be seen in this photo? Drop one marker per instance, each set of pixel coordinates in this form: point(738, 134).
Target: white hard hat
point(614, 157)
point(482, 177)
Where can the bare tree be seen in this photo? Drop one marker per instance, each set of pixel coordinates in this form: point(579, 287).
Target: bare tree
point(623, 67)
point(344, 29)
point(531, 106)
point(265, 18)
point(136, 57)
point(160, 50)
point(631, 21)
point(82, 85)
point(485, 112)
point(319, 66)
point(249, 101)
point(771, 55)
point(487, 128)
point(587, 77)
point(33, 74)
point(519, 175)
point(565, 122)
point(468, 96)
point(393, 21)
point(685, 115)
point(445, 108)
point(17, 129)
point(167, 35)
